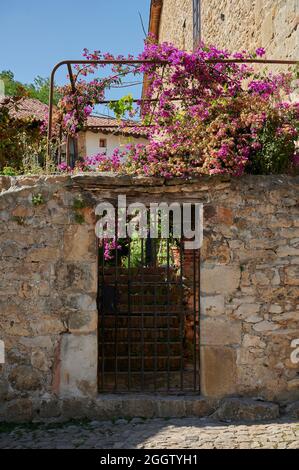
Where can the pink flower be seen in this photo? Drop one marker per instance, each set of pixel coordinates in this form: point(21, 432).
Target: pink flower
point(260, 52)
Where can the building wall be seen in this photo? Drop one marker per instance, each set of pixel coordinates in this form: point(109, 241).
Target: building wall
point(48, 313)
point(235, 25)
point(113, 141)
point(176, 24)
point(272, 24)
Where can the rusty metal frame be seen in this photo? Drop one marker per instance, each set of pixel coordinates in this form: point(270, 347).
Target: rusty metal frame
point(69, 64)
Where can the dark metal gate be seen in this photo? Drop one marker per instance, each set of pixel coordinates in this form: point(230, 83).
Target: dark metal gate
point(149, 292)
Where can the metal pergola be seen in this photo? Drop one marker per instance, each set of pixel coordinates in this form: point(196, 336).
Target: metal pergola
point(70, 63)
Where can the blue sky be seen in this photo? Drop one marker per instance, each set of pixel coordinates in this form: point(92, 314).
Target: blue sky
point(35, 34)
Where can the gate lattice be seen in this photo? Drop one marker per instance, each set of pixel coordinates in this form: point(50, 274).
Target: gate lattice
point(149, 292)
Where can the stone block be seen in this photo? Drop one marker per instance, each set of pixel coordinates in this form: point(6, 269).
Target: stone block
point(275, 308)
point(18, 411)
point(43, 254)
point(5, 183)
point(77, 408)
point(83, 322)
point(212, 305)
point(107, 407)
point(45, 409)
point(3, 390)
point(284, 251)
point(79, 243)
point(236, 409)
point(220, 279)
point(293, 384)
point(22, 211)
point(143, 406)
point(47, 326)
point(292, 410)
point(25, 378)
point(82, 302)
point(76, 276)
point(170, 408)
point(247, 310)
point(218, 371)
point(250, 341)
point(265, 326)
point(78, 365)
point(199, 406)
point(292, 276)
point(39, 360)
point(218, 332)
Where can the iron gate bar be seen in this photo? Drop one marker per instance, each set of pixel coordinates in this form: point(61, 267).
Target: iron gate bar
point(142, 314)
point(194, 320)
point(168, 325)
point(102, 318)
point(69, 64)
point(155, 339)
point(116, 296)
point(198, 329)
point(129, 316)
point(182, 310)
point(156, 328)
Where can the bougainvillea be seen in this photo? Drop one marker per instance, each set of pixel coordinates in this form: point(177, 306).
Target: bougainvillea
point(203, 114)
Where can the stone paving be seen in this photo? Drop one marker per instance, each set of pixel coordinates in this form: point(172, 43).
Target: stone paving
point(186, 433)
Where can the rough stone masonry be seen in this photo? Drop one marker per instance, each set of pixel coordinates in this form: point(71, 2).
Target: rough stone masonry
point(48, 312)
point(234, 25)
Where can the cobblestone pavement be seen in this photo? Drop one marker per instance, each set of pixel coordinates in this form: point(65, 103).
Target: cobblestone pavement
point(186, 433)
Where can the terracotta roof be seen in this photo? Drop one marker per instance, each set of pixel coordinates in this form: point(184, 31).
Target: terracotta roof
point(110, 125)
point(29, 107)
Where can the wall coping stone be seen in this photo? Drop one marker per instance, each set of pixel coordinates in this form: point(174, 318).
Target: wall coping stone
point(96, 180)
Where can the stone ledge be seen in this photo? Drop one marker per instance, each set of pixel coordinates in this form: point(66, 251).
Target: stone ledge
point(109, 407)
point(236, 409)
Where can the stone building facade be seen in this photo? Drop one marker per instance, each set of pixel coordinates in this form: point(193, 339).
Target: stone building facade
point(231, 24)
point(49, 320)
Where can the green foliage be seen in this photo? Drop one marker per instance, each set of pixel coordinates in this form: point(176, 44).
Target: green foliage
point(79, 218)
point(276, 146)
point(122, 106)
point(39, 89)
point(135, 255)
point(78, 203)
point(19, 220)
point(38, 199)
point(8, 171)
point(11, 86)
point(21, 141)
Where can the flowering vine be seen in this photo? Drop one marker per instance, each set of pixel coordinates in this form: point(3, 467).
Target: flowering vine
point(203, 114)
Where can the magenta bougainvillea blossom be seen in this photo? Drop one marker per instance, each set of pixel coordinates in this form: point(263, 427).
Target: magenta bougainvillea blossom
point(201, 115)
point(109, 247)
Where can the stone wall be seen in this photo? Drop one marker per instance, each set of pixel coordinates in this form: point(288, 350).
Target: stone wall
point(235, 25)
point(48, 313)
point(176, 24)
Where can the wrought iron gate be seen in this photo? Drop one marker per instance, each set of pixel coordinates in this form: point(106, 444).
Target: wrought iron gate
point(149, 292)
